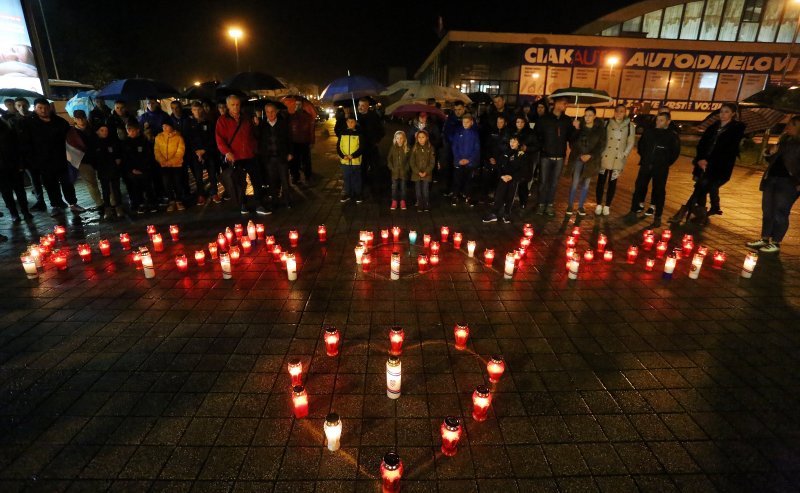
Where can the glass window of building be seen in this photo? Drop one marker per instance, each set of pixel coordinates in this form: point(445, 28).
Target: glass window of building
point(730, 20)
point(652, 23)
point(704, 85)
point(691, 20)
point(631, 84)
point(611, 31)
point(680, 86)
point(711, 20)
point(671, 24)
point(655, 86)
point(632, 25)
point(770, 20)
point(727, 87)
point(789, 23)
point(752, 10)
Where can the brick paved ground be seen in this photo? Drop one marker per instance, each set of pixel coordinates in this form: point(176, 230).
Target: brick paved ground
point(619, 381)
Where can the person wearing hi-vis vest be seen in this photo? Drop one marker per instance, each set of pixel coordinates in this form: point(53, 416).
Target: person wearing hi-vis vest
point(349, 148)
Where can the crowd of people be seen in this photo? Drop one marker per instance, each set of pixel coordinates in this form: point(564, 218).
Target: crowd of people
point(495, 157)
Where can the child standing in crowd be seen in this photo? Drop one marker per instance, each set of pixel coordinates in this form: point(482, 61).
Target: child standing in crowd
point(350, 149)
point(137, 165)
point(397, 161)
point(169, 150)
point(107, 155)
point(421, 162)
point(466, 145)
point(512, 169)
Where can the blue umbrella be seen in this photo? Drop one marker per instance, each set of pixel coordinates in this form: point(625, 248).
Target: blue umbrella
point(351, 87)
point(136, 90)
point(84, 100)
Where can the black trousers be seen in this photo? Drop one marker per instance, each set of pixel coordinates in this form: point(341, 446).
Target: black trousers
point(57, 181)
point(109, 183)
point(140, 188)
point(241, 170)
point(488, 178)
point(504, 197)
point(708, 187)
point(462, 181)
point(612, 187)
point(13, 183)
point(301, 161)
point(659, 178)
point(37, 185)
point(278, 172)
point(210, 164)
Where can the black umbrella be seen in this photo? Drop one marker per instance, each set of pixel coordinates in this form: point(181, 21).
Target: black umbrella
point(786, 99)
point(480, 97)
point(206, 90)
point(15, 92)
point(755, 119)
point(136, 90)
point(253, 81)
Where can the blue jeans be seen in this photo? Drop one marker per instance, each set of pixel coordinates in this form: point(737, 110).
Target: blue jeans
point(577, 181)
point(779, 195)
point(352, 180)
point(398, 189)
point(549, 171)
point(423, 191)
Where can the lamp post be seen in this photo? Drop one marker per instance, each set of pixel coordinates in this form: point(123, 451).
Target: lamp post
point(236, 33)
point(612, 61)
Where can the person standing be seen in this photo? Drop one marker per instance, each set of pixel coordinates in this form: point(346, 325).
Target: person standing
point(99, 114)
point(138, 161)
point(153, 117)
point(169, 150)
point(780, 188)
point(586, 149)
point(303, 135)
point(452, 126)
point(620, 137)
point(421, 161)
point(659, 147)
point(372, 131)
point(275, 149)
point(203, 153)
point(237, 142)
point(553, 131)
point(466, 147)
point(118, 120)
point(108, 159)
point(498, 108)
point(349, 149)
point(9, 110)
point(510, 173)
point(16, 120)
point(527, 142)
point(496, 152)
point(13, 181)
point(43, 142)
point(84, 141)
point(397, 161)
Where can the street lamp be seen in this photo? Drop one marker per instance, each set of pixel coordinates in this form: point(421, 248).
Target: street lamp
point(236, 33)
point(612, 61)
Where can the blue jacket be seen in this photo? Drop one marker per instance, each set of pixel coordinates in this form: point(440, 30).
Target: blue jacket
point(451, 127)
point(466, 144)
point(154, 119)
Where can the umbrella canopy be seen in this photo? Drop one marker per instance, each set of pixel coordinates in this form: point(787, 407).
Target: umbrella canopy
point(480, 97)
point(781, 98)
point(13, 92)
point(253, 81)
point(259, 103)
point(421, 93)
point(414, 109)
point(351, 87)
point(582, 95)
point(755, 119)
point(84, 100)
point(136, 90)
point(206, 90)
point(308, 106)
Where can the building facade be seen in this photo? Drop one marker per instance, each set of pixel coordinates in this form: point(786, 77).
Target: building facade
point(687, 56)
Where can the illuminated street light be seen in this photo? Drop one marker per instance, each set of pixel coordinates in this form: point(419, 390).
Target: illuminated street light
point(197, 83)
point(236, 33)
point(612, 61)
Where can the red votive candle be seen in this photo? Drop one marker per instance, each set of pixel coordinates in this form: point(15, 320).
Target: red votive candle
point(451, 434)
point(175, 232)
point(200, 257)
point(633, 252)
point(295, 367)
point(294, 237)
point(300, 401)
point(125, 241)
point(85, 252)
point(181, 262)
point(457, 238)
point(396, 337)
point(331, 340)
point(158, 243)
point(495, 368)
point(391, 473)
point(445, 233)
point(105, 247)
point(461, 333)
point(322, 232)
point(481, 401)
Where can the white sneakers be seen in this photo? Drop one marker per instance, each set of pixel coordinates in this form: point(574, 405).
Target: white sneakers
point(602, 210)
point(606, 210)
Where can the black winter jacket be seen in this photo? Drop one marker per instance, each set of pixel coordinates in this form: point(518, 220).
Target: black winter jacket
point(720, 147)
point(658, 148)
point(552, 135)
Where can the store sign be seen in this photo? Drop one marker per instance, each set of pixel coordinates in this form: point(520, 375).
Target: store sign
point(585, 56)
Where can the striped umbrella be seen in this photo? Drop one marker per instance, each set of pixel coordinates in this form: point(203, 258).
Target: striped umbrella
point(756, 120)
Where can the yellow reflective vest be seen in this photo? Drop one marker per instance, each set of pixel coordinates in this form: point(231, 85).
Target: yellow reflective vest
point(349, 145)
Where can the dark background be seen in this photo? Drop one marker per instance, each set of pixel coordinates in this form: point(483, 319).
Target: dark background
point(181, 41)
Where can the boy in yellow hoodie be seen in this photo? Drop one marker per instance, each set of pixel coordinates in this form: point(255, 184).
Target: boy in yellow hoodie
point(169, 150)
point(350, 147)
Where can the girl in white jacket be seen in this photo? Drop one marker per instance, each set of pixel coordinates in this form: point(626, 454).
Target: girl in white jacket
point(620, 137)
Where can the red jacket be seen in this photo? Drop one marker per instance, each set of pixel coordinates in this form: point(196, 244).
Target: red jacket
point(301, 127)
point(244, 144)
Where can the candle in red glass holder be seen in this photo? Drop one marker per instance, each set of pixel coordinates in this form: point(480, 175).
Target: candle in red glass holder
point(661, 249)
point(322, 232)
point(222, 243)
point(445, 233)
point(666, 235)
point(395, 233)
point(331, 340)
point(649, 241)
point(260, 231)
point(366, 262)
point(384, 236)
point(719, 259)
point(602, 241)
point(391, 473)
point(370, 236)
point(125, 241)
point(649, 264)
point(60, 232)
point(457, 238)
point(35, 252)
point(238, 230)
point(200, 257)
point(525, 242)
point(276, 253)
point(158, 243)
point(59, 259)
point(294, 237)
point(576, 231)
point(181, 262)
point(85, 252)
point(461, 333)
point(633, 252)
point(51, 238)
point(270, 242)
point(495, 367)
point(687, 248)
point(295, 367)
point(251, 230)
point(646, 233)
point(434, 260)
point(426, 241)
point(247, 245)
point(702, 250)
point(608, 255)
point(396, 337)
point(570, 252)
point(136, 256)
point(235, 254)
point(451, 434)
point(151, 230)
point(488, 257)
point(229, 236)
point(588, 255)
point(481, 400)
point(687, 237)
point(105, 247)
point(527, 230)
point(300, 401)
point(571, 242)
point(175, 232)
point(435, 247)
point(422, 262)
point(212, 250)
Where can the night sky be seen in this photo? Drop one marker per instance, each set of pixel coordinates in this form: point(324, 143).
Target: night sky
point(180, 41)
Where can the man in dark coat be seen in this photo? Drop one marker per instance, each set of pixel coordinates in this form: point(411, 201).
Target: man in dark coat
point(498, 108)
point(372, 131)
point(201, 144)
point(43, 145)
point(138, 161)
point(659, 147)
point(99, 113)
point(119, 119)
point(301, 130)
point(496, 152)
point(553, 131)
point(275, 151)
point(13, 181)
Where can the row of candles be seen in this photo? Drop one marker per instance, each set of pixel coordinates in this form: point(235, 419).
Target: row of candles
point(450, 429)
